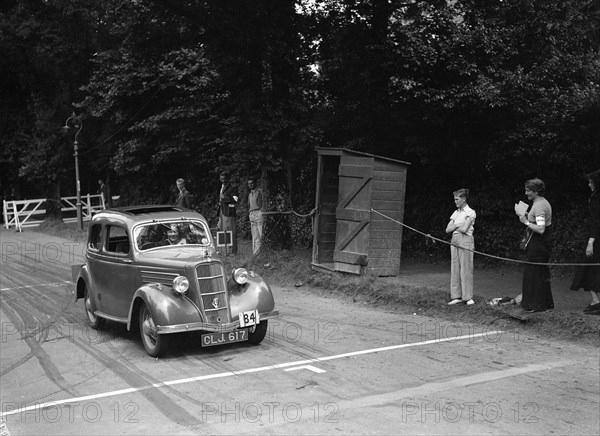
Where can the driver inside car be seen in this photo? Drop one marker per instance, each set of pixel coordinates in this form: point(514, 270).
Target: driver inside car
point(174, 237)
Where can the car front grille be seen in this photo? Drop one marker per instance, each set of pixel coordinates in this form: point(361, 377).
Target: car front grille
point(213, 292)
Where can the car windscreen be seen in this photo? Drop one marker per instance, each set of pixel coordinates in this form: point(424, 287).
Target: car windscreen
point(164, 234)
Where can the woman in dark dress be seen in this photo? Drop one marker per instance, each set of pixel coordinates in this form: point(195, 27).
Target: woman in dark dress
point(588, 277)
point(536, 291)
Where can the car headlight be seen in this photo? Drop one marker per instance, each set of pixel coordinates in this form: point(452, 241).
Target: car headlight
point(181, 284)
point(240, 275)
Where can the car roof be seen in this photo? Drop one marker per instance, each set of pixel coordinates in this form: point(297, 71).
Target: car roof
point(145, 213)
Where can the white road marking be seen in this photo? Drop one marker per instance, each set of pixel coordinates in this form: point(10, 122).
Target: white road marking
point(309, 367)
point(430, 388)
point(236, 373)
point(411, 399)
point(35, 286)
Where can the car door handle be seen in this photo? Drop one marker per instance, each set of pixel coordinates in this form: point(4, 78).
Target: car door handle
point(126, 260)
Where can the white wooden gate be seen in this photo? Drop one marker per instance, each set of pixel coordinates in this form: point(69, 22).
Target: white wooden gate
point(29, 213)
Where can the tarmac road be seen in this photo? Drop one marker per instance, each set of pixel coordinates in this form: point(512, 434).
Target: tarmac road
point(327, 366)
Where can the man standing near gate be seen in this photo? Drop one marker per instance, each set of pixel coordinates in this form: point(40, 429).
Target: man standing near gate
point(255, 214)
point(104, 192)
point(227, 204)
point(183, 196)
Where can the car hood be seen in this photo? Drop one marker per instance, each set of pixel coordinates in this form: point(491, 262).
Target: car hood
point(177, 256)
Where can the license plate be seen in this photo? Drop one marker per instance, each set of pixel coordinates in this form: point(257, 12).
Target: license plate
point(212, 339)
point(249, 318)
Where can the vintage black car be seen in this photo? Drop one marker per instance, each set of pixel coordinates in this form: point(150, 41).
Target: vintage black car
point(156, 268)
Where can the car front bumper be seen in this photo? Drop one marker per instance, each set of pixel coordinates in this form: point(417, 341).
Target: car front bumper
point(208, 327)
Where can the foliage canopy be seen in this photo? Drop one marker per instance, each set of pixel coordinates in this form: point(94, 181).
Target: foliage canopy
point(478, 94)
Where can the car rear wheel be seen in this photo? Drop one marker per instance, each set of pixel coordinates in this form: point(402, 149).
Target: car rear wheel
point(155, 344)
point(255, 337)
point(94, 321)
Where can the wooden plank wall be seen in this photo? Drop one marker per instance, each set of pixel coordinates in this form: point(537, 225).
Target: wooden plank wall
point(329, 200)
point(385, 245)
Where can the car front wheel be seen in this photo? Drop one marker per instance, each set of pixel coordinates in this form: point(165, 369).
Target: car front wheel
point(155, 344)
point(255, 337)
point(94, 321)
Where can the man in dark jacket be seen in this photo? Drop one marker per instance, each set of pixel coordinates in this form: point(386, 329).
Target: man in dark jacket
point(227, 204)
point(104, 191)
point(183, 196)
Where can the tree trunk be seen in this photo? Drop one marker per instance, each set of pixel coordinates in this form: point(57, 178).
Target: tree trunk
point(53, 210)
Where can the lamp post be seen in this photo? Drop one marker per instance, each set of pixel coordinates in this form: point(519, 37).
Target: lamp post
point(77, 125)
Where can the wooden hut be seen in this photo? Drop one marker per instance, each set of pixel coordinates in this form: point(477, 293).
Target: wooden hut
point(347, 235)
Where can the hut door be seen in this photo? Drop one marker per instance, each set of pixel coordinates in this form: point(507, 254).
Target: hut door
point(353, 213)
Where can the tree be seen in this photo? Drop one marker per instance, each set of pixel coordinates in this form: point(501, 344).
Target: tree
point(156, 94)
point(47, 44)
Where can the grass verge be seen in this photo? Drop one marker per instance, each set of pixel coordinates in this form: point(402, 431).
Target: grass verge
point(293, 268)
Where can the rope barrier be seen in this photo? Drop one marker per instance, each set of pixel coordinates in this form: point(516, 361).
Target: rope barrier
point(265, 237)
point(291, 211)
point(288, 212)
point(282, 213)
point(277, 212)
point(479, 252)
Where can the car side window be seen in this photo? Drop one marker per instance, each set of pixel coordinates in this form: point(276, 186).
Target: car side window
point(95, 241)
point(117, 240)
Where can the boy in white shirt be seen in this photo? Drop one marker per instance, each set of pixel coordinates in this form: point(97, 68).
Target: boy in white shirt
point(461, 225)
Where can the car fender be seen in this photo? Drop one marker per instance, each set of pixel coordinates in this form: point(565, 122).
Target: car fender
point(254, 294)
point(81, 279)
point(166, 307)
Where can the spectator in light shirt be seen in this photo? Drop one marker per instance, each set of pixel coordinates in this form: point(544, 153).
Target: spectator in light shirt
point(255, 213)
point(461, 225)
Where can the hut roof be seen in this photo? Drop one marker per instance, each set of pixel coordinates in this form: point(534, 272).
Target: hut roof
point(333, 151)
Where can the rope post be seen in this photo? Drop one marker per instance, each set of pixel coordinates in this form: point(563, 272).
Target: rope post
point(225, 239)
